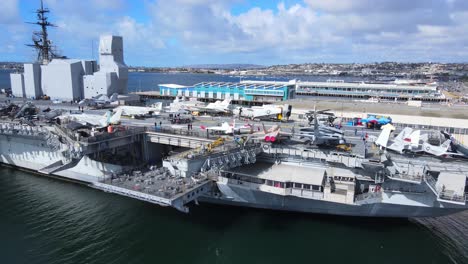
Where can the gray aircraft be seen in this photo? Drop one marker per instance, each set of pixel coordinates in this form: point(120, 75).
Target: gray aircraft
point(320, 134)
point(100, 101)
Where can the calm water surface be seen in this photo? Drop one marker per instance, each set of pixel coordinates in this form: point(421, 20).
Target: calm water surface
point(44, 220)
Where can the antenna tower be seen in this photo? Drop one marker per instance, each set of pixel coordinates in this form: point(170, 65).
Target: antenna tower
point(45, 50)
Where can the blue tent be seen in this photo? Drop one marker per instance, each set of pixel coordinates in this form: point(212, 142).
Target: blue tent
point(383, 121)
point(370, 119)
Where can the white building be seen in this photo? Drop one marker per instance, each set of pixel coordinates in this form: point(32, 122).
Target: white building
point(17, 84)
point(71, 79)
point(63, 78)
point(112, 76)
point(32, 80)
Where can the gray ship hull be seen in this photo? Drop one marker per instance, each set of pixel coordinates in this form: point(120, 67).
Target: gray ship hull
point(265, 200)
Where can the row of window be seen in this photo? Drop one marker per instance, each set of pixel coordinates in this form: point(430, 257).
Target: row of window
point(340, 178)
point(364, 90)
point(264, 92)
point(277, 184)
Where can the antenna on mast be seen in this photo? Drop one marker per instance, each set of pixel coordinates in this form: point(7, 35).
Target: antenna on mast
point(45, 50)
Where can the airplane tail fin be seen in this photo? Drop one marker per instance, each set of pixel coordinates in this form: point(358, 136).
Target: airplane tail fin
point(82, 102)
point(415, 136)
point(226, 102)
point(115, 118)
point(446, 144)
point(406, 132)
point(158, 106)
point(114, 97)
point(287, 111)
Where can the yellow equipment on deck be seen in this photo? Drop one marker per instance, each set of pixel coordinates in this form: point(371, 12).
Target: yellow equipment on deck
point(343, 147)
point(215, 144)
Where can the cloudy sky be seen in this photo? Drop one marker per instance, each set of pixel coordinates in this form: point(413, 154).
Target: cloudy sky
point(267, 32)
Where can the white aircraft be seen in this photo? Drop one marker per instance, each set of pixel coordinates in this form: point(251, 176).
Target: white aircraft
point(412, 141)
point(398, 143)
point(139, 111)
point(182, 106)
point(227, 128)
point(96, 120)
point(279, 112)
point(216, 107)
point(272, 134)
point(456, 145)
point(99, 101)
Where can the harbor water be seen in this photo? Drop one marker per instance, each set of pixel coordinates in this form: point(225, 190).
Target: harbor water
point(44, 220)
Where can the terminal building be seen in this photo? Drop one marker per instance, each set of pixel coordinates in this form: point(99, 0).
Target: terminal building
point(71, 79)
point(242, 91)
point(365, 90)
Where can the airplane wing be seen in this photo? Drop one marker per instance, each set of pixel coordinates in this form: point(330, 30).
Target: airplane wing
point(216, 128)
point(383, 138)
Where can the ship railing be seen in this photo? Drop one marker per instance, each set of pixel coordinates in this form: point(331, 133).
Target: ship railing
point(406, 177)
point(368, 196)
point(305, 193)
point(185, 132)
point(451, 197)
point(431, 182)
point(347, 160)
point(181, 131)
point(129, 131)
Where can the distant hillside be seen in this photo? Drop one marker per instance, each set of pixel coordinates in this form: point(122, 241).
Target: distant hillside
point(225, 66)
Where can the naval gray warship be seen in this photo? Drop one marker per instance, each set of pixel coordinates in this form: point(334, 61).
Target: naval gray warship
point(367, 181)
point(384, 177)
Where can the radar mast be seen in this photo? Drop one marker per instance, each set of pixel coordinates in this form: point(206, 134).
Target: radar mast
point(45, 50)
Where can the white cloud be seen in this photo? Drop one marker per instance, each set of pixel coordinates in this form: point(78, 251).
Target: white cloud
point(198, 31)
point(9, 12)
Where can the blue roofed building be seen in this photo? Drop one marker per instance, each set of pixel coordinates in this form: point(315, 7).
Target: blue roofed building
point(243, 91)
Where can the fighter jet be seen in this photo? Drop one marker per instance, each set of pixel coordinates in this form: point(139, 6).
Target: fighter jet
point(100, 101)
point(323, 117)
point(456, 145)
point(96, 120)
point(180, 105)
point(139, 111)
point(218, 107)
point(229, 129)
point(50, 115)
point(277, 112)
point(320, 134)
point(273, 134)
point(409, 140)
point(27, 111)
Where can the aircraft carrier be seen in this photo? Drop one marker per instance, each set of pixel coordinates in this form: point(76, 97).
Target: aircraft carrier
point(172, 165)
point(175, 159)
